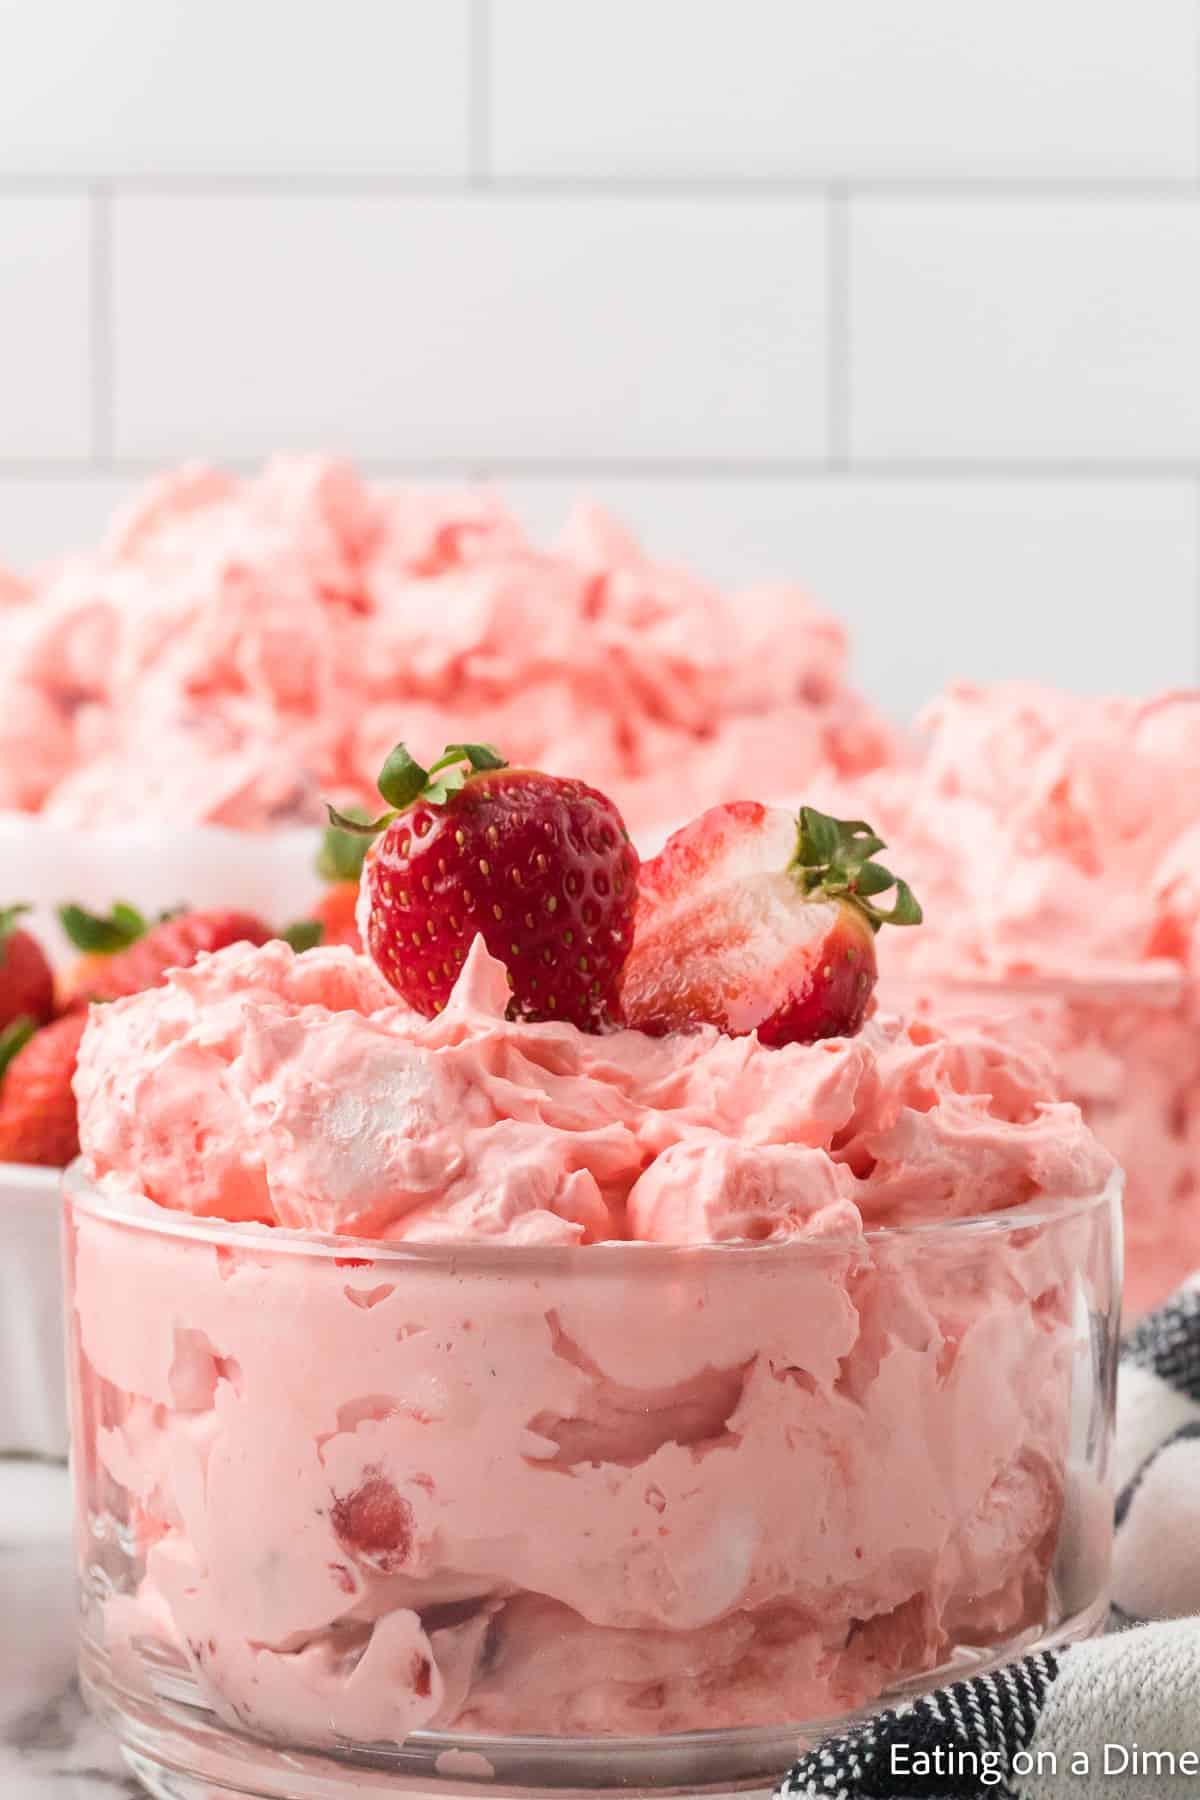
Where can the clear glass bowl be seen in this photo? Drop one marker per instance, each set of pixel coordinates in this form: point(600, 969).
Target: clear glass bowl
point(362, 1517)
point(1126, 1049)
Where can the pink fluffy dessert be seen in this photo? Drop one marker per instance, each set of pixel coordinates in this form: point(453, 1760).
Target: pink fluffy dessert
point(237, 648)
point(1055, 843)
point(609, 1409)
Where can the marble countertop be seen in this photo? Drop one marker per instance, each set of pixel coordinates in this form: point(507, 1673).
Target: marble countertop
point(50, 1749)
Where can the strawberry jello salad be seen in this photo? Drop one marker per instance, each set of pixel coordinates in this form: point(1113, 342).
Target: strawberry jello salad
point(1056, 845)
point(237, 646)
point(575, 1316)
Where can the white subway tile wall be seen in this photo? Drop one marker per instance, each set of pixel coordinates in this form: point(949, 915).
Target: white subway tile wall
point(132, 88)
point(1037, 330)
point(45, 325)
point(900, 303)
point(1090, 584)
point(44, 516)
point(842, 89)
point(469, 327)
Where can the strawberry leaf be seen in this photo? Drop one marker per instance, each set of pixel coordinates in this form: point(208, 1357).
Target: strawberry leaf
point(342, 852)
point(439, 790)
point(401, 778)
point(833, 862)
point(818, 838)
point(8, 924)
point(99, 935)
point(480, 756)
point(356, 827)
point(872, 878)
point(906, 911)
point(14, 1037)
point(304, 934)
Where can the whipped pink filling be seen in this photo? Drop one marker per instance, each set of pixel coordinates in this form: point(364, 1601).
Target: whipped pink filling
point(236, 649)
point(1051, 835)
point(1055, 844)
point(563, 1485)
point(295, 1091)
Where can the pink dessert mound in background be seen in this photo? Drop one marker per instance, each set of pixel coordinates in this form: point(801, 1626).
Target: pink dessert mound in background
point(1055, 843)
point(609, 1408)
point(236, 648)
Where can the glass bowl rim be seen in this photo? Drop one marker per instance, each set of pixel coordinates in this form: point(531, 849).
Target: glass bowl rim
point(81, 1195)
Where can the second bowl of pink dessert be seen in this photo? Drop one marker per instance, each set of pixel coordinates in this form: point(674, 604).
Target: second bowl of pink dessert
point(510, 1407)
point(175, 702)
point(1055, 842)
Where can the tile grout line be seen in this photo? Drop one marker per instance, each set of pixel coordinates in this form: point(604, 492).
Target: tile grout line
point(1196, 578)
point(479, 95)
point(526, 468)
point(837, 328)
point(100, 323)
point(1196, 482)
point(314, 184)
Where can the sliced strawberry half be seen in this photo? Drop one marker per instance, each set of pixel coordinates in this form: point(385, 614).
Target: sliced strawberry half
point(753, 920)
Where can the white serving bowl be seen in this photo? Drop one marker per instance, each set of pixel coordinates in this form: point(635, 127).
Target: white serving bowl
point(48, 865)
point(272, 873)
point(33, 1400)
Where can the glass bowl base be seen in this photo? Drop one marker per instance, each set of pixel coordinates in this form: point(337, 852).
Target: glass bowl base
point(180, 1750)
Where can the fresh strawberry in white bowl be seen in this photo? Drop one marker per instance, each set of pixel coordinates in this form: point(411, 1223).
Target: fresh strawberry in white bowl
point(43, 1014)
point(273, 873)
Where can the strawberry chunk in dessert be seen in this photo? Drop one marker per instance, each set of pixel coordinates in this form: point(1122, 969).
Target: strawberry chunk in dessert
point(375, 1524)
point(541, 867)
point(26, 982)
point(753, 920)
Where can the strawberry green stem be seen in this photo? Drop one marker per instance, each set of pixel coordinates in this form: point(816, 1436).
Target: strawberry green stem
point(403, 780)
point(102, 935)
point(14, 1037)
point(341, 854)
point(833, 861)
point(8, 923)
point(303, 934)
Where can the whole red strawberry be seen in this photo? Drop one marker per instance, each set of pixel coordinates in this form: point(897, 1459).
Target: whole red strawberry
point(37, 1106)
point(124, 956)
point(752, 920)
point(541, 867)
point(26, 980)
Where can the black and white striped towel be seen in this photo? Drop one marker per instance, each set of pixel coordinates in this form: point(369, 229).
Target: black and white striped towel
point(1113, 1719)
